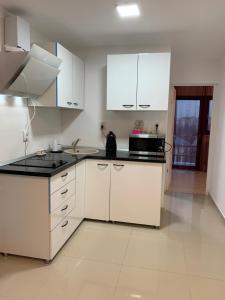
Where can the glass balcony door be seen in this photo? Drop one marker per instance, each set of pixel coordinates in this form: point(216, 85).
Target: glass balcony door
point(186, 137)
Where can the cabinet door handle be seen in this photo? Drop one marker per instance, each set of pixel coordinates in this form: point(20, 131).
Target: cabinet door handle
point(63, 193)
point(65, 208)
point(103, 165)
point(75, 103)
point(64, 175)
point(116, 165)
point(69, 103)
point(128, 105)
point(144, 105)
point(65, 224)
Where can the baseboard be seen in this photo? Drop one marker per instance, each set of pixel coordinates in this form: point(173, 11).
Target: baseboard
point(216, 205)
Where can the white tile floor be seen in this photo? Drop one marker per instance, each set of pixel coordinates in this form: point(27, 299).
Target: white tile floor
point(184, 260)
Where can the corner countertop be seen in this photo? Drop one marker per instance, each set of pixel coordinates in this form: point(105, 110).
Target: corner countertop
point(73, 160)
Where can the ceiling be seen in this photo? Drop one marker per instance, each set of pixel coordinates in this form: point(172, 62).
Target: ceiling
point(193, 27)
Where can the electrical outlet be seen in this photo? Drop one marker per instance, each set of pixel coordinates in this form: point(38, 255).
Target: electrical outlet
point(102, 126)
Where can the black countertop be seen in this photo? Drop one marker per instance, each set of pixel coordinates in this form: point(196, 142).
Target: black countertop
point(74, 159)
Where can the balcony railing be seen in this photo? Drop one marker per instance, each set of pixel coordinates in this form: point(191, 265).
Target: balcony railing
point(184, 155)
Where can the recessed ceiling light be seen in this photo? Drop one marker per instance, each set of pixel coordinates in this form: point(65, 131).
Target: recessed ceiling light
point(128, 10)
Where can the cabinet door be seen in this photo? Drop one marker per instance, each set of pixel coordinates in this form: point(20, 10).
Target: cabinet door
point(153, 81)
point(122, 82)
point(80, 191)
point(64, 79)
point(136, 193)
point(78, 83)
point(97, 190)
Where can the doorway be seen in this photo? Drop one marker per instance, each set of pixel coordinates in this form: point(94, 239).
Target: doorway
point(193, 110)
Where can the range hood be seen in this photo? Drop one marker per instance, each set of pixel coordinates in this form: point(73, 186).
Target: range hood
point(34, 74)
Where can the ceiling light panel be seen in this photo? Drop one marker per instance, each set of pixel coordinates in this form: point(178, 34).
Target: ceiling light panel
point(128, 10)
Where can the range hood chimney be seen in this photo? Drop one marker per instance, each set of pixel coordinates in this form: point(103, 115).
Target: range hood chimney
point(17, 34)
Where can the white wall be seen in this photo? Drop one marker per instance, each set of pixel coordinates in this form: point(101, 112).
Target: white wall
point(13, 117)
point(194, 71)
point(216, 167)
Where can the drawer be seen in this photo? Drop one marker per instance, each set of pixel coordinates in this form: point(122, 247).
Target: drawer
point(62, 232)
point(58, 197)
point(62, 211)
point(61, 179)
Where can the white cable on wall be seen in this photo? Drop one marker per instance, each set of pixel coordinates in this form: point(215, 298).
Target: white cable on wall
point(27, 128)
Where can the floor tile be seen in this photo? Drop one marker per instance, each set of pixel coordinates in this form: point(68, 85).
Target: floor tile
point(189, 182)
point(189, 218)
point(101, 245)
point(137, 283)
point(155, 253)
point(7, 298)
point(19, 278)
point(207, 289)
point(206, 259)
point(85, 280)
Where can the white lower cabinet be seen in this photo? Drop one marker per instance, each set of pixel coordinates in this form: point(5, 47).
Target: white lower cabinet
point(70, 213)
point(62, 232)
point(136, 190)
point(80, 191)
point(65, 192)
point(97, 190)
point(39, 214)
point(61, 179)
point(62, 211)
point(124, 191)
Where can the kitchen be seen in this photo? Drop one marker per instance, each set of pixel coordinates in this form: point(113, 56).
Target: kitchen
point(112, 189)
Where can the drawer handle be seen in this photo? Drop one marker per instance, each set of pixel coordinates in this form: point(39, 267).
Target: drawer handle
point(75, 103)
point(69, 103)
point(116, 165)
point(64, 225)
point(144, 105)
point(128, 105)
point(64, 175)
point(65, 208)
point(103, 165)
point(63, 193)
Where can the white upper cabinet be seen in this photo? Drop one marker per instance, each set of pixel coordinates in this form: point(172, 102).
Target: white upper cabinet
point(138, 81)
point(122, 81)
point(68, 89)
point(65, 78)
point(153, 81)
point(78, 83)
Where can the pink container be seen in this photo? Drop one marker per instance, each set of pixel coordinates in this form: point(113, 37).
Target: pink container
point(136, 131)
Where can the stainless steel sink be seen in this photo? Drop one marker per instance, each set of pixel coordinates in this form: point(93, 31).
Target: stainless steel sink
point(82, 151)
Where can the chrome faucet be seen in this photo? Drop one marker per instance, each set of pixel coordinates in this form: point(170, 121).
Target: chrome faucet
point(74, 144)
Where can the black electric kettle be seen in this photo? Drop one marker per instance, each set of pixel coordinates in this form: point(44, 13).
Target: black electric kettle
point(111, 146)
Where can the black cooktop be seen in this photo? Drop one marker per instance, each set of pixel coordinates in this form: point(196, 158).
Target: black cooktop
point(47, 161)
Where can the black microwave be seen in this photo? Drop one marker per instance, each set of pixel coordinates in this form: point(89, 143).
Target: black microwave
point(147, 144)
